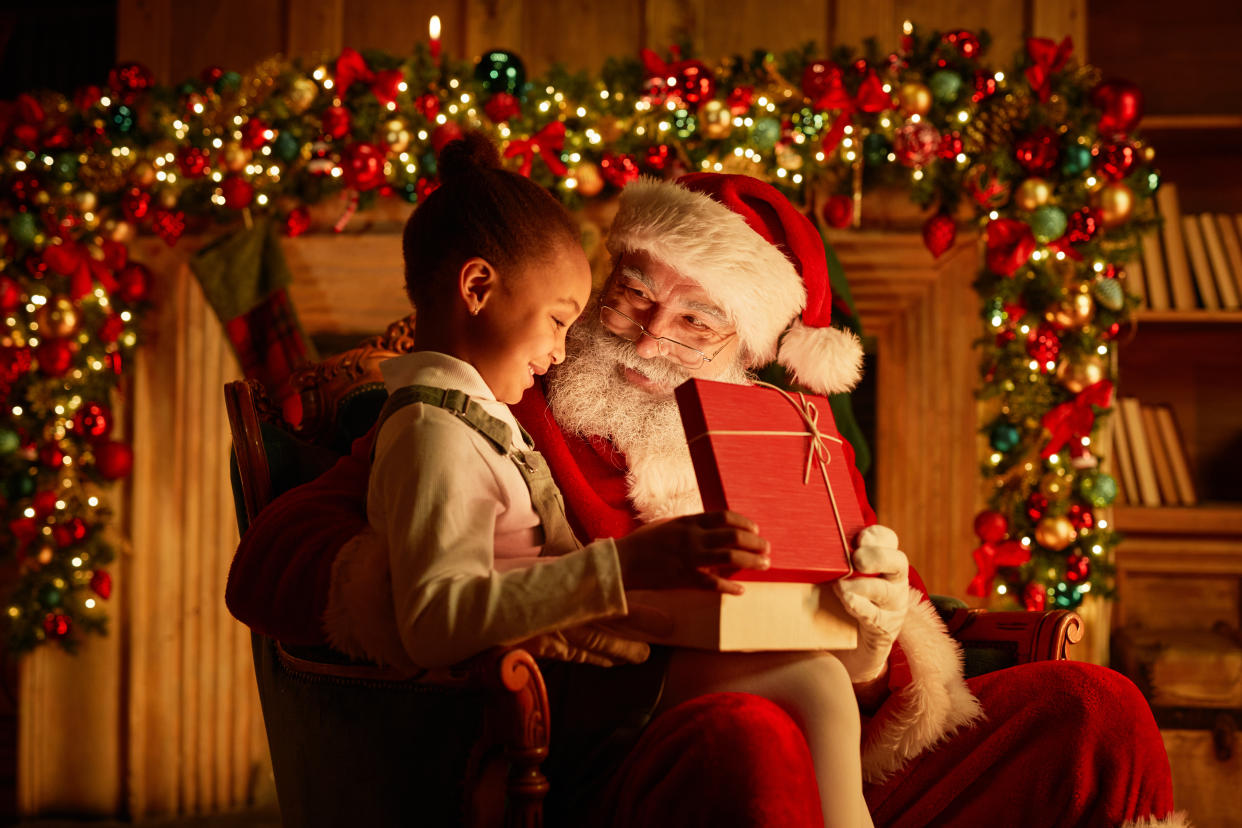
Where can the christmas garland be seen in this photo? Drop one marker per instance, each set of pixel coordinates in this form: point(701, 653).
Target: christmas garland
point(1041, 156)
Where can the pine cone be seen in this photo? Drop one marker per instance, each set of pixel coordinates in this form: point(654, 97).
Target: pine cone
point(995, 125)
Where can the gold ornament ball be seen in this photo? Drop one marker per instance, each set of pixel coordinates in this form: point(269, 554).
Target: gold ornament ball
point(301, 95)
point(1033, 193)
point(1055, 533)
point(590, 181)
point(85, 201)
point(1073, 313)
point(1082, 373)
point(715, 120)
point(142, 174)
point(396, 136)
point(1116, 203)
point(914, 99)
point(118, 230)
point(59, 317)
point(235, 156)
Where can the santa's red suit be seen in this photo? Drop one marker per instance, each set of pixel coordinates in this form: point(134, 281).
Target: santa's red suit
point(1049, 744)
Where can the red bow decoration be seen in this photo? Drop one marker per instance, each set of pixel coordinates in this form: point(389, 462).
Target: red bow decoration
point(1074, 419)
point(1047, 56)
point(351, 68)
point(547, 142)
point(871, 98)
point(657, 67)
point(1010, 244)
point(988, 557)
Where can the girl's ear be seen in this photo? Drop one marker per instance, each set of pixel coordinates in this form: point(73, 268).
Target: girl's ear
point(477, 281)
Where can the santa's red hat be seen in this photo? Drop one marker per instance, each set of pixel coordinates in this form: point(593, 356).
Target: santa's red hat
point(757, 257)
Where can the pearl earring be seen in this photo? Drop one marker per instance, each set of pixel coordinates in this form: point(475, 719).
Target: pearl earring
point(475, 310)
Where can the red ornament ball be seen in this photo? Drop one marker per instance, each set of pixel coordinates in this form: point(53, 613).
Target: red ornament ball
point(951, 145)
point(55, 356)
point(193, 161)
point(362, 166)
point(985, 86)
point(1043, 345)
point(1077, 568)
point(1121, 106)
point(1034, 597)
point(44, 501)
point(820, 78)
point(1081, 516)
point(502, 106)
point(238, 192)
point(335, 122)
point(657, 157)
point(618, 169)
point(77, 527)
point(130, 78)
point(168, 225)
point(965, 42)
point(1082, 225)
point(1036, 505)
point(297, 222)
point(134, 282)
point(1114, 161)
point(991, 526)
point(136, 204)
point(114, 459)
point(1037, 151)
point(93, 420)
point(740, 99)
point(694, 83)
point(916, 144)
point(428, 104)
point(255, 134)
point(939, 232)
point(51, 457)
point(111, 328)
point(838, 211)
point(101, 583)
point(56, 625)
point(11, 295)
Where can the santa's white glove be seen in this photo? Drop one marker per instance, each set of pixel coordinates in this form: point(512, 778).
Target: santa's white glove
point(879, 603)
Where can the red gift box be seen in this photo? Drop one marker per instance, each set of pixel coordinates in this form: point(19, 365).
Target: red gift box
point(777, 458)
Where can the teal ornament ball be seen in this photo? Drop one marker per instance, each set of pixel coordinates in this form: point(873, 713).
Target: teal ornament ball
point(1066, 596)
point(1109, 293)
point(876, 149)
point(1048, 223)
point(1099, 489)
point(1004, 437)
point(500, 71)
point(945, 85)
point(23, 228)
point(286, 147)
point(766, 133)
point(122, 119)
point(228, 82)
point(9, 441)
point(1076, 159)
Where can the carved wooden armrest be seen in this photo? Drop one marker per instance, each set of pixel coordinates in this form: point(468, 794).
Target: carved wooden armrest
point(1026, 636)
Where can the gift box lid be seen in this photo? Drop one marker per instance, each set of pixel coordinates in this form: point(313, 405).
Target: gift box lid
point(777, 458)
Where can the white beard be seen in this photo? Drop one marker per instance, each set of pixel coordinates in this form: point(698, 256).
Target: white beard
point(589, 396)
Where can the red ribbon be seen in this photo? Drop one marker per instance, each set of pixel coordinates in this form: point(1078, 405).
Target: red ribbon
point(547, 142)
point(988, 557)
point(352, 68)
point(1047, 57)
point(1074, 419)
point(871, 98)
point(657, 67)
point(1010, 244)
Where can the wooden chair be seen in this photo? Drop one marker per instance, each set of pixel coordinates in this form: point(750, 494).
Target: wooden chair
point(490, 711)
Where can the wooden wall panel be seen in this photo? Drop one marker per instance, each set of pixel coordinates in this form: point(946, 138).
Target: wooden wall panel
point(396, 25)
point(313, 28)
point(490, 24)
point(1005, 20)
point(581, 34)
point(234, 34)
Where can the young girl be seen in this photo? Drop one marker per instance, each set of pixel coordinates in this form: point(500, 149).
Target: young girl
point(480, 552)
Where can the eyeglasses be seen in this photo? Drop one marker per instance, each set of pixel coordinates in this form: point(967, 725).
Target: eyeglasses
point(627, 328)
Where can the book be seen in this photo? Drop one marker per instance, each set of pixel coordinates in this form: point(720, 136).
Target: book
point(1226, 282)
point(1200, 268)
point(1153, 269)
point(1177, 455)
point(754, 453)
point(1126, 480)
point(1148, 491)
point(770, 615)
point(1136, 280)
point(1159, 457)
point(1233, 248)
point(1176, 264)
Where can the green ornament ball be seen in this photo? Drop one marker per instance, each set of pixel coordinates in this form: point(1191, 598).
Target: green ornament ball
point(50, 596)
point(501, 71)
point(1109, 293)
point(122, 119)
point(9, 441)
point(1004, 437)
point(286, 146)
point(229, 82)
point(1075, 159)
point(766, 133)
point(428, 163)
point(23, 228)
point(875, 149)
point(65, 166)
point(1048, 223)
point(1099, 489)
point(945, 85)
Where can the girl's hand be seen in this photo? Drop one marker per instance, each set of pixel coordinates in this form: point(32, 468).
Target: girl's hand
point(692, 551)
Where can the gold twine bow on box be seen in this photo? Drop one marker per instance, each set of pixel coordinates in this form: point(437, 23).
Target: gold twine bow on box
point(817, 452)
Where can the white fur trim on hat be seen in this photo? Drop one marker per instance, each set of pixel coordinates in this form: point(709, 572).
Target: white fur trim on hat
point(826, 360)
point(755, 284)
point(1177, 819)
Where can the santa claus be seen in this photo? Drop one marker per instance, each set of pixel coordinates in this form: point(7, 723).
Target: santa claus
point(714, 276)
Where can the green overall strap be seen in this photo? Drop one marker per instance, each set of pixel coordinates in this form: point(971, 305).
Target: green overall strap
point(545, 497)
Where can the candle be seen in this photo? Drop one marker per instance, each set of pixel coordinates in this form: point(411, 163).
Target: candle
point(433, 28)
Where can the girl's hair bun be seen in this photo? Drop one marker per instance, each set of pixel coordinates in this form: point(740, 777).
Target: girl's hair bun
point(466, 156)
